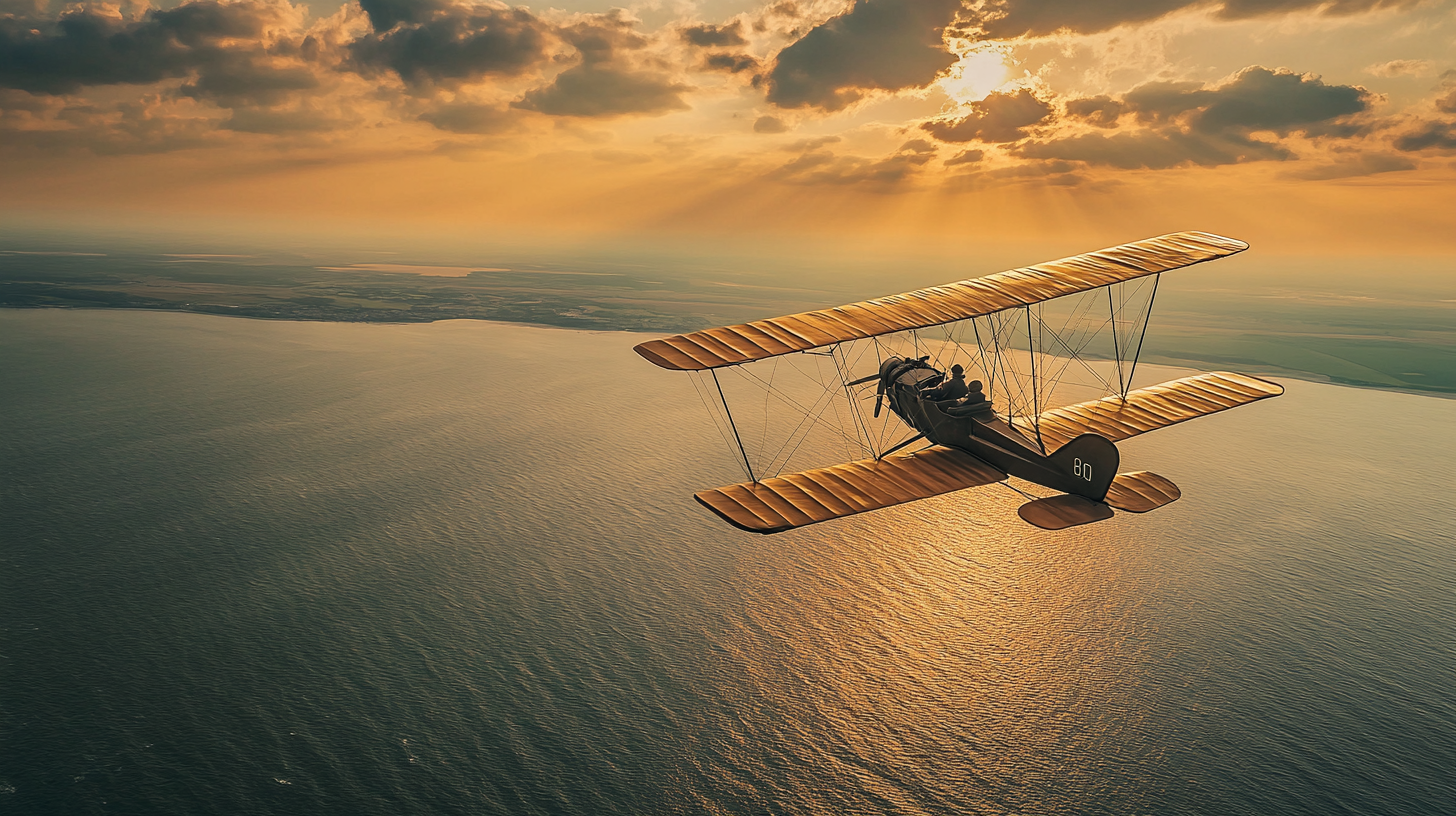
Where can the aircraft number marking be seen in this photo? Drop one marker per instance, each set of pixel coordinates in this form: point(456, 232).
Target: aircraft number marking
point(1083, 469)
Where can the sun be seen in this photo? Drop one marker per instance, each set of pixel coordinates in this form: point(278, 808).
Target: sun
point(981, 70)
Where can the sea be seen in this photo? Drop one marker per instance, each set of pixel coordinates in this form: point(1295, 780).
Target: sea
point(267, 567)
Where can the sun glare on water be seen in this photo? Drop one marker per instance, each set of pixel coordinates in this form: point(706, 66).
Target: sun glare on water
point(979, 72)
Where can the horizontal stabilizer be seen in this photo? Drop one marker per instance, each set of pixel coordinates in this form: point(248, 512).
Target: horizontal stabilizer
point(1154, 407)
point(1141, 491)
point(761, 339)
point(799, 499)
point(1061, 512)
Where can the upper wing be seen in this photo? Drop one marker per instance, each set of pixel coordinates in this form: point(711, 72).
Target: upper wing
point(785, 502)
point(730, 345)
point(1156, 406)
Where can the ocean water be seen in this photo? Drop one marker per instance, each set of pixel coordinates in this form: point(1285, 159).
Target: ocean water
point(303, 568)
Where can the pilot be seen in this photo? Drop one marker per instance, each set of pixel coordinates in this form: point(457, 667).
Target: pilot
point(951, 389)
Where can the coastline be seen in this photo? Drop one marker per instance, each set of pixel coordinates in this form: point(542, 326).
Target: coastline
point(1191, 363)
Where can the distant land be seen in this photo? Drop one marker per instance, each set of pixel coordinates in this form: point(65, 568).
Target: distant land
point(1309, 327)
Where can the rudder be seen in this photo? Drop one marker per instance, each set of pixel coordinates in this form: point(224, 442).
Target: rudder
point(1089, 464)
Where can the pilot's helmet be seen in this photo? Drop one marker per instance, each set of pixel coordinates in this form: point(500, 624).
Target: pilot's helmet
point(956, 370)
point(974, 385)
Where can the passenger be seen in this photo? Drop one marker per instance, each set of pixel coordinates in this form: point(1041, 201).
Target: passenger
point(976, 395)
point(952, 389)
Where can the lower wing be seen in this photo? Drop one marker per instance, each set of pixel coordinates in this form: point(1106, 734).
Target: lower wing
point(799, 499)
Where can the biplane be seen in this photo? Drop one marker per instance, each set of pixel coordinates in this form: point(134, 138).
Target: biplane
point(1021, 331)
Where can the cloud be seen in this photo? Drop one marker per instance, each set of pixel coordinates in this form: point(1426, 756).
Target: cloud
point(769, 124)
point(1405, 67)
point(1427, 136)
point(1098, 111)
point(965, 157)
point(431, 41)
point(225, 45)
point(732, 63)
point(1000, 117)
point(149, 124)
point(708, 36)
point(236, 80)
point(876, 45)
point(587, 90)
point(1186, 123)
point(888, 174)
point(1007, 19)
point(1447, 103)
point(1279, 101)
point(606, 82)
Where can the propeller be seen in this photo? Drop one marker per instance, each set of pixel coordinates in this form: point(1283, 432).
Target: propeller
point(879, 398)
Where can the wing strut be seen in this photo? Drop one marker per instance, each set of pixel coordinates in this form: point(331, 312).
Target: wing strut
point(911, 440)
point(1147, 318)
point(734, 426)
point(1035, 403)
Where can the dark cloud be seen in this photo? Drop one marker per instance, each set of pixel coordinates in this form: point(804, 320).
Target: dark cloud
point(28, 9)
point(1016, 18)
point(587, 90)
point(769, 124)
point(604, 82)
point(1279, 101)
point(238, 80)
point(83, 47)
point(386, 14)
point(876, 45)
point(1185, 123)
point(965, 157)
point(1158, 101)
point(1099, 111)
point(1427, 136)
point(434, 42)
point(1003, 19)
point(1000, 117)
point(732, 63)
point(708, 36)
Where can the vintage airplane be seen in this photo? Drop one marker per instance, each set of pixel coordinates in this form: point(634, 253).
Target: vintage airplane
point(973, 440)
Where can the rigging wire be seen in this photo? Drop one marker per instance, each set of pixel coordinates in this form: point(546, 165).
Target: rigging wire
point(713, 413)
point(746, 464)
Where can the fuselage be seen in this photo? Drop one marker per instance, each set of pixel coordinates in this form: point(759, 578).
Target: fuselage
point(1085, 466)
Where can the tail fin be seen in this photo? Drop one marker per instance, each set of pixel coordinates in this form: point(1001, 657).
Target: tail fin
point(1089, 463)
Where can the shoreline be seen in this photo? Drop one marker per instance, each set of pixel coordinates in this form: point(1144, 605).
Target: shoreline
point(1254, 369)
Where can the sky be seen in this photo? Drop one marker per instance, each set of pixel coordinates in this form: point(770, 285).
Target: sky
point(1302, 126)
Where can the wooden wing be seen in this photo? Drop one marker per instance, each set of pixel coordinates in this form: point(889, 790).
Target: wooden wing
point(799, 499)
point(1157, 406)
point(761, 339)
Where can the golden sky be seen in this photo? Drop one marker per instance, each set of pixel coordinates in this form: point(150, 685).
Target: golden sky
point(1301, 126)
